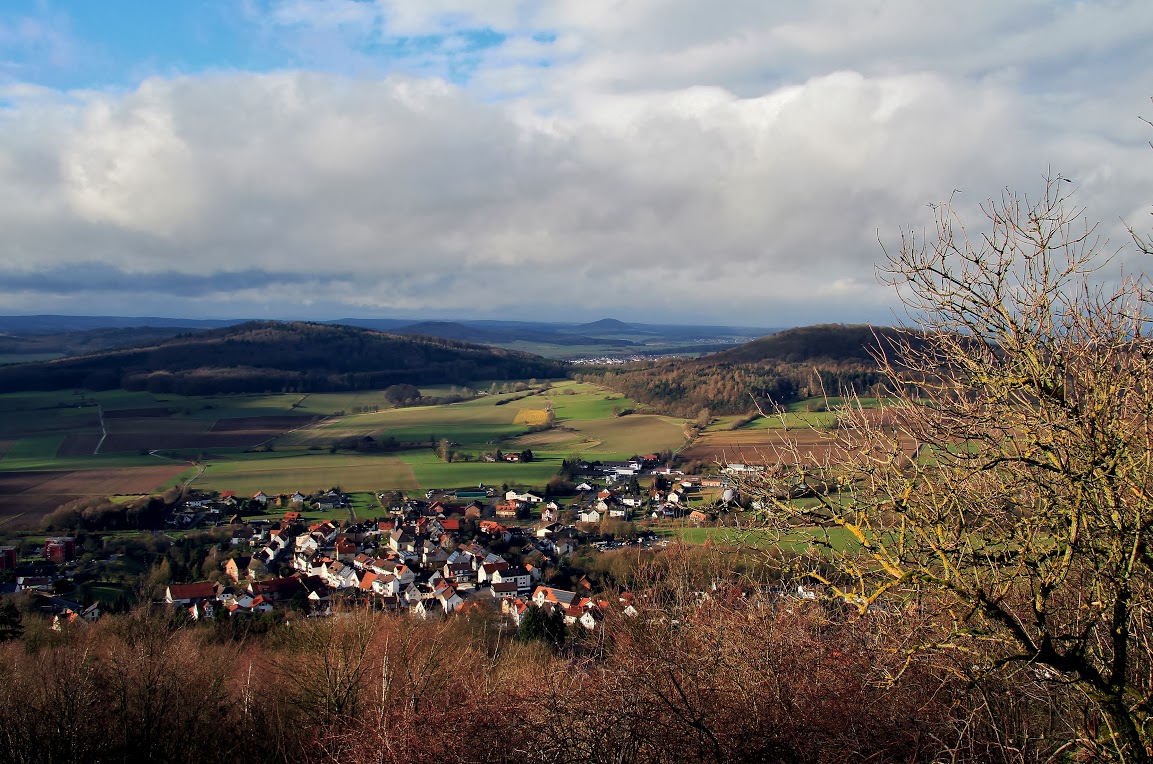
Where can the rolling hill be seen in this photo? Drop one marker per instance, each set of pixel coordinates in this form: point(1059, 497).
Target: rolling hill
point(838, 343)
point(261, 356)
point(790, 365)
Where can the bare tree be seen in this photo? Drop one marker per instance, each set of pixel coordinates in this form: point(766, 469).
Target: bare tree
point(1008, 484)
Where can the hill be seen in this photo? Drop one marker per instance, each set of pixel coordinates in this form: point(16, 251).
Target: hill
point(610, 325)
point(794, 364)
point(259, 356)
point(54, 324)
point(84, 341)
point(837, 343)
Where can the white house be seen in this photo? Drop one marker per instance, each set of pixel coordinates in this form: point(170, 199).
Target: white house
point(518, 576)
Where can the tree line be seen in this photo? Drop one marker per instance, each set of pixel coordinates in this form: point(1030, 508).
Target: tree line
point(683, 389)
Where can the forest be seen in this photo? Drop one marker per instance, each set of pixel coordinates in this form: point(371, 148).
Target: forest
point(261, 356)
point(805, 362)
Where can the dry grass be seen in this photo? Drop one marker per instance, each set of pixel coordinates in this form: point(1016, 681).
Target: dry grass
point(532, 417)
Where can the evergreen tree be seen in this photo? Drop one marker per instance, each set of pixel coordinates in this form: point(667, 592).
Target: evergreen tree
point(11, 622)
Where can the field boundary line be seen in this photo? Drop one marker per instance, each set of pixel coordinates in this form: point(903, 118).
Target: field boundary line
point(103, 430)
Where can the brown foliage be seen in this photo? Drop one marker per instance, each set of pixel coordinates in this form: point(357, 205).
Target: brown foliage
point(741, 675)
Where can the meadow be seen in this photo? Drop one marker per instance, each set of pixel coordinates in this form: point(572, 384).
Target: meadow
point(754, 539)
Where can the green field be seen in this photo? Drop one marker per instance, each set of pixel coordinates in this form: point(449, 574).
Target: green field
point(433, 473)
point(34, 450)
point(59, 430)
point(757, 539)
point(277, 473)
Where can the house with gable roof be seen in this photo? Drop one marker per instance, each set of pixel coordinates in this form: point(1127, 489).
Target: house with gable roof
point(549, 595)
point(186, 594)
point(518, 576)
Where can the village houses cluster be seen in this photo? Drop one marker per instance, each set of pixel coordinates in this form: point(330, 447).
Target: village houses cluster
point(429, 557)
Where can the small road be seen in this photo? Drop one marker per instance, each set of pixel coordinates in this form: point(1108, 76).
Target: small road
point(200, 467)
point(103, 430)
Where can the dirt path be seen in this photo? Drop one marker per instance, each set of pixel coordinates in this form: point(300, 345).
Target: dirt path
point(103, 431)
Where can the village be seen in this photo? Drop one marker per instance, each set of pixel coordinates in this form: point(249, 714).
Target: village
point(430, 556)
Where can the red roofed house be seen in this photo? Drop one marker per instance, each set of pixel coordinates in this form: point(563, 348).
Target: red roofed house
point(345, 549)
point(508, 508)
point(186, 594)
point(276, 588)
point(492, 528)
point(513, 608)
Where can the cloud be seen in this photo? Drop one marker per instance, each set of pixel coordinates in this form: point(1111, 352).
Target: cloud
point(555, 160)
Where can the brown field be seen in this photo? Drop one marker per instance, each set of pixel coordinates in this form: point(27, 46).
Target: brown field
point(136, 413)
point(272, 424)
point(25, 497)
point(4, 446)
point(21, 482)
point(23, 511)
point(553, 439)
point(766, 447)
point(137, 425)
point(114, 480)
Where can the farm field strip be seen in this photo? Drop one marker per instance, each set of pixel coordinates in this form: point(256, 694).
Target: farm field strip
point(309, 473)
point(223, 425)
point(756, 539)
point(767, 446)
point(433, 473)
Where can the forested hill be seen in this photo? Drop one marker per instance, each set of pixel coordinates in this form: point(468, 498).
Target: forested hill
point(835, 343)
point(259, 356)
point(793, 364)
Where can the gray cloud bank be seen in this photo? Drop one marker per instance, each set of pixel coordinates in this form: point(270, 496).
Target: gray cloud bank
point(735, 167)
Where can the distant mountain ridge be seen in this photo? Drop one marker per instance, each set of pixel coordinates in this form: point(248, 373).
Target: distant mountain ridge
point(606, 325)
point(497, 336)
point(47, 335)
point(85, 341)
point(52, 324)
point(263, 356)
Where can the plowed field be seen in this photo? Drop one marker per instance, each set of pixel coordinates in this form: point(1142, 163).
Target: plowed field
point(25, 497)
point(767, 447)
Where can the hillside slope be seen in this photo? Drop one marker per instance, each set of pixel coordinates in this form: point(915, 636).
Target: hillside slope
point(829, 359)
point(259, 356)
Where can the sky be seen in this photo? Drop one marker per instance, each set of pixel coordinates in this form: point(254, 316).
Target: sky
point(738, 162)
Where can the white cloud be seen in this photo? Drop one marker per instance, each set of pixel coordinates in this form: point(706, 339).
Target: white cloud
point(324, 14)
point(736, 162)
